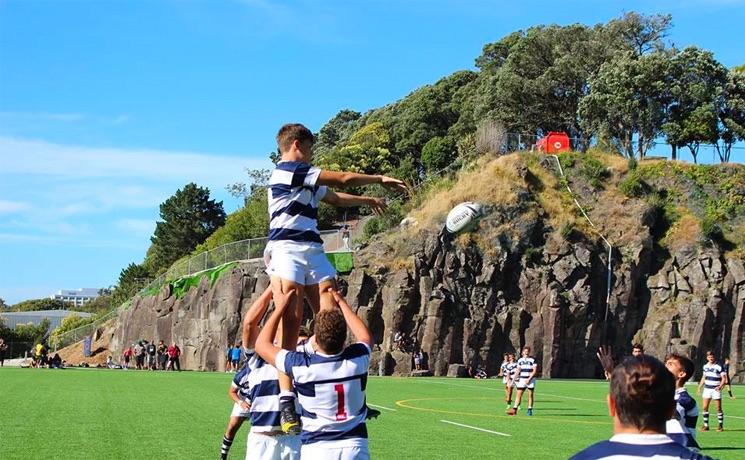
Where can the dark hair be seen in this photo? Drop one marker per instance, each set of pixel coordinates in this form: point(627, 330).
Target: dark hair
point(303, 332)
point(639, 346)
point(710, 352)
point(685, 363)
point(293, 132)
point(644, 393)
point(330, 330)
point(526, 348)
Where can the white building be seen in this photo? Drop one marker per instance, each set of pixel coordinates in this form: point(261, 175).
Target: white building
point(55, 317)
point(77, 297)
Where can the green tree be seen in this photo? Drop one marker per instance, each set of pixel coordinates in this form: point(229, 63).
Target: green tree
point(367, 151)
point(336, 131)
point(68, 324)
point(628, 100)
point(640, 33)
point(131, 279)
point(438, 153)
point(40, 304)
point(3, 305)
point(696, 86)
point(732, 114)
point(188, 218)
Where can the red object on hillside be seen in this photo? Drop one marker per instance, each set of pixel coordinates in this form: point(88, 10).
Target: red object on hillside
point(555, 141)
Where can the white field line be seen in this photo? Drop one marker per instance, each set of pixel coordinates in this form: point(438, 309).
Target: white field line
point(474, 387)
point(733, 416)
point(476, 428)
point(382, 407)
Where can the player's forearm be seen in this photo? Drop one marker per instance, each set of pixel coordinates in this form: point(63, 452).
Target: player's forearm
point(356, 325)
point(345, 200)
point(264, 342)
point(234, 395)
point(347, 179)
point(253, 316)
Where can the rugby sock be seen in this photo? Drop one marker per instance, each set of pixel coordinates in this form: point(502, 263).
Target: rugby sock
point(286, 396)
point(706, 418)
point(226, 443)
point(720, 418)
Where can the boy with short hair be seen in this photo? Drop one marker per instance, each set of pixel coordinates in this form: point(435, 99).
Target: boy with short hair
point(712, 382)
point(331, 382)
point(682, 427)
point(294, 256)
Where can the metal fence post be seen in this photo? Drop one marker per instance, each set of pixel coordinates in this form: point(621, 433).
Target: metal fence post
point(248, 252)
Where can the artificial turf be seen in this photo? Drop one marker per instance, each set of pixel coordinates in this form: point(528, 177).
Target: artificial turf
point(95, 413)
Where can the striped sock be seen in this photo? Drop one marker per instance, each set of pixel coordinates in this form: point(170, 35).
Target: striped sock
point(706, 418)
point(720, 418)
point(226, 443)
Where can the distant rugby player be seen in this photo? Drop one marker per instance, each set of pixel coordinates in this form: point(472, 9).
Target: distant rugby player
point(526, 372)
point(712, 381)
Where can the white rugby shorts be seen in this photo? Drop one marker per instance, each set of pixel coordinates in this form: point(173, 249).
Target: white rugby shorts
point(239, 412)
point(299, 262)
point(323, 452)
point(521, 384)
point(711, 393)
point(261, 447)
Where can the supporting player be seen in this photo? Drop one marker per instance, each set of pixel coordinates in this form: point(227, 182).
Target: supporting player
point(641, 401)
point(510, 372)
point(331, 383)
point(712, 381)
point(294, 255)
point(682, 426)
point(526, 371)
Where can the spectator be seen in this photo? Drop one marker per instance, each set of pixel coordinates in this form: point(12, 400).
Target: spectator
point(162, 355)
point(127, 355)
point(346, 236)
point(3, 348)
point(174, 352)
point(139, 352)
point(641, 401)
point(637, 350)
point(235, 357)
point(55, 362)
point(400, 339)
point(418, 358)
point(151, 350)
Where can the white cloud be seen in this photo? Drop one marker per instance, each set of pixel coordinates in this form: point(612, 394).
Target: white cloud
point(8, 207)
point(34, 157)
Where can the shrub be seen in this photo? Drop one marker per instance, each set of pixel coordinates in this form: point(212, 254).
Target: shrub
point(633, 186)
point(594, 171)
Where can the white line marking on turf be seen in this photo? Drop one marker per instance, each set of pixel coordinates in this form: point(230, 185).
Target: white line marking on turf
point(382, 407)
point(734, 416)
point(475, 428)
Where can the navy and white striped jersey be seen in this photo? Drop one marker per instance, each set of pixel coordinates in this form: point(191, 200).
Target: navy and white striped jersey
point(293, 202)
point(511, 371)
point(682, 428)
point(331, 392)
point(526, 366)
point(713, 375)
point(260, 379)
point(638, 446)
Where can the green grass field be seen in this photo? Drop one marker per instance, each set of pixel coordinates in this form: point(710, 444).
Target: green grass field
point(92, 413)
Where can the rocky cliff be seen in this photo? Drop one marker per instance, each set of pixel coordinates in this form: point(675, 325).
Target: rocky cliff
point(533, 273)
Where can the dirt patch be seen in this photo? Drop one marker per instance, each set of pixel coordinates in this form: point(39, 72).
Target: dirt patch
point(73, 354)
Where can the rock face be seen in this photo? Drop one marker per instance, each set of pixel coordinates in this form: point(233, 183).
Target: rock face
point(203, 323)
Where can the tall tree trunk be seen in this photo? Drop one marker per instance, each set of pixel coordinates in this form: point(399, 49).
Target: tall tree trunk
point(674, 152)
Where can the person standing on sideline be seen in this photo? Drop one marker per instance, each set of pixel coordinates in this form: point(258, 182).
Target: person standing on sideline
point(127, 355)
point(346, 237)
point(330, 382)
point(3, 349)
point(526, 371)
point(162, 355)
point(151, 351)
point(712, 382)
point(641, 400)
point(235, 357)
point(174, 352)
point(725, 369)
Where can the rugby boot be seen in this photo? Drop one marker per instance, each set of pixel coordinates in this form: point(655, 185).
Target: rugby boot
point(288, 418)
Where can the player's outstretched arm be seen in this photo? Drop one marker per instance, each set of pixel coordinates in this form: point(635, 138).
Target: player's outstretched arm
point(345, 200)
point(350, 179)
point(253, 316)
point(358, 328)
point(700, 384)
point(605, 357)
point(265, 342)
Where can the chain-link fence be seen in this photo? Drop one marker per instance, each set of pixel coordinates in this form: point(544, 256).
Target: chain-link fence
point(61, 341)
point(19, 350)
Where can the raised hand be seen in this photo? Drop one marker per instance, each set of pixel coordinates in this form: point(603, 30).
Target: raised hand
point(393, 184)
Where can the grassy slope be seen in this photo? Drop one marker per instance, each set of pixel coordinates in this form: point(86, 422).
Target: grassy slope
point(78, 413)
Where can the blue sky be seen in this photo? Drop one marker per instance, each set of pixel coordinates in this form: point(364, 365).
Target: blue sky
point(108, 107)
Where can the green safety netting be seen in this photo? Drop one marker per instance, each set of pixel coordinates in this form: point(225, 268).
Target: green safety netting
point(182, 285)
point(343, 262)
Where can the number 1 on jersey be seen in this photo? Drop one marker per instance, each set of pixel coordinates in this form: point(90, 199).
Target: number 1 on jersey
point(341, 414)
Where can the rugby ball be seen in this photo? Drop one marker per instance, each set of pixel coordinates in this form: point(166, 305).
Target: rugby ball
point(463, 217)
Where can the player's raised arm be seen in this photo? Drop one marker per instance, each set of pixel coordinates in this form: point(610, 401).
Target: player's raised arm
point(350, 179)
point(265, 346)
point(253, 316)
point(358, 328)
point(345, 200)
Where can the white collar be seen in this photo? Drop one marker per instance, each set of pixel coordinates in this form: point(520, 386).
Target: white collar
point(641, 439)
